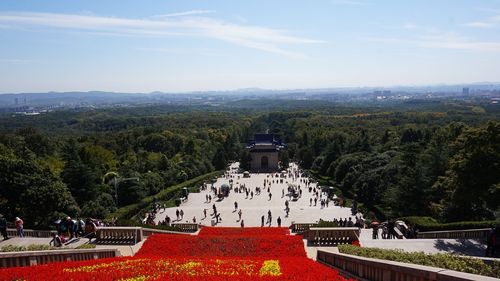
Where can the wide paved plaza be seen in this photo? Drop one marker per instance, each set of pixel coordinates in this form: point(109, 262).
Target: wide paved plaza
point(301, 211)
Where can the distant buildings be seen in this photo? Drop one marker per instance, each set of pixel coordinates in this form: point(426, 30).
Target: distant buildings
point(465, 91)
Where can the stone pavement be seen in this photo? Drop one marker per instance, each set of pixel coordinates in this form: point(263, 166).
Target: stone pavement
point(124, 250)
point(467, 247)
point(17, 241)
point(253, 209)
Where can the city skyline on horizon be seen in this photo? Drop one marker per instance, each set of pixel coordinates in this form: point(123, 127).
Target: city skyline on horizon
point(186, 46)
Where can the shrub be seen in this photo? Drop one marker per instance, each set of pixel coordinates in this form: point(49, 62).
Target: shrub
point(86, 246)
point(447, 261)
point(31, 247)
point(430, 224)
point(323, 223)
point(126, 222)
point(130, 211)
point(163, 227)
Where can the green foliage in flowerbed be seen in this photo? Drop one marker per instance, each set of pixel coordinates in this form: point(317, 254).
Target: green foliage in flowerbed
point(130, 211)
point(129, 222)
point(323, 223)
point(32, 247)
point(430, 224)
point(39, 247)
point(164, 227)
point(447, 261)
point(86, 246)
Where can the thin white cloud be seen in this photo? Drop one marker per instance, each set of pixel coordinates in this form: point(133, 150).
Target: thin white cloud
point(186, 13)
point(184, 51)
point(444, 41)
point(16, 61)
point(480, 24)
point(432, 37)
point(486, 23)
point(256, 37)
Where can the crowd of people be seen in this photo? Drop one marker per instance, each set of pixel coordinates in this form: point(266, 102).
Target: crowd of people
point(295, 184)
point(66, 229)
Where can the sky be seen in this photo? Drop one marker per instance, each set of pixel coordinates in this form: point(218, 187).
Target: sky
point(193, 45)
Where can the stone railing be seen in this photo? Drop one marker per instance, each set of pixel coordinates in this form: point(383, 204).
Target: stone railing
point(12, 232)
point(119, 235)
point(331, 236)
point(455, 234)
point(187, 227)
point(29, 258)
point(380, 270)
point(146, 232)
point(301, 227)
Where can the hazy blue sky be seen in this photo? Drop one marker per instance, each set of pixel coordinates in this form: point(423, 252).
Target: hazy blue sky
point(184, 45)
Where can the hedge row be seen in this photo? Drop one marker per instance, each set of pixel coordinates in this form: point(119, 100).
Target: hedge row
point(128, 222)
point(430, 224)
point(322, 223)
point(39, 247)
point(447, 261)
point(131, 211)
point(31, 247)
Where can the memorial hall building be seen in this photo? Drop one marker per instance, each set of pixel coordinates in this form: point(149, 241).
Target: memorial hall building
point(264, 151)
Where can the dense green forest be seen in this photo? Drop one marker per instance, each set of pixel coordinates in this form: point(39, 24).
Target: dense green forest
point(423, 158)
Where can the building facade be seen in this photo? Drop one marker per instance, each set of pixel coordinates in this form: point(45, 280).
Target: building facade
point(264, 151)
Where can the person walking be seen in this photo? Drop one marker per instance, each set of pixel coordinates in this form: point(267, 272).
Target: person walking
point(375, 232)
point(242, 223)
point(177, 213)
point(182, 214)
point(261, 221)
point(279, 221)
point(90, 229)
point(239, 214)
point(3, 227)
point(235, 205)
point(19, 227)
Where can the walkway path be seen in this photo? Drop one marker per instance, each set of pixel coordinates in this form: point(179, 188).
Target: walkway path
point(468, 247)
point(253, 209)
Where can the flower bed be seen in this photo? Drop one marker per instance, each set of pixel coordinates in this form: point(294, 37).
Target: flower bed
point(247, 231)
point(223, 246)
point(216, 254)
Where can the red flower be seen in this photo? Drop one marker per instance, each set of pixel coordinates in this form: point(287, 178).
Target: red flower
point(216, 254)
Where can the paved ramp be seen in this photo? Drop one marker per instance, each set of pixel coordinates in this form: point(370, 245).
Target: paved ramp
point(466, 247)
point(301, 211)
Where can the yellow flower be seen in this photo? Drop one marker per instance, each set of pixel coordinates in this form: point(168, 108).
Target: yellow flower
point(270, 267)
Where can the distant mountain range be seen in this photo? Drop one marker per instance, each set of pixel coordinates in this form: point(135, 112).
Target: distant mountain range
point(100, 98)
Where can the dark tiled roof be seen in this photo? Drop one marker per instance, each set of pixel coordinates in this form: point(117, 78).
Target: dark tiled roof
point(264, 150)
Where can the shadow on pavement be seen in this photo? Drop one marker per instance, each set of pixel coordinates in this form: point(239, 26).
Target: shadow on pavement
point(466, 247)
